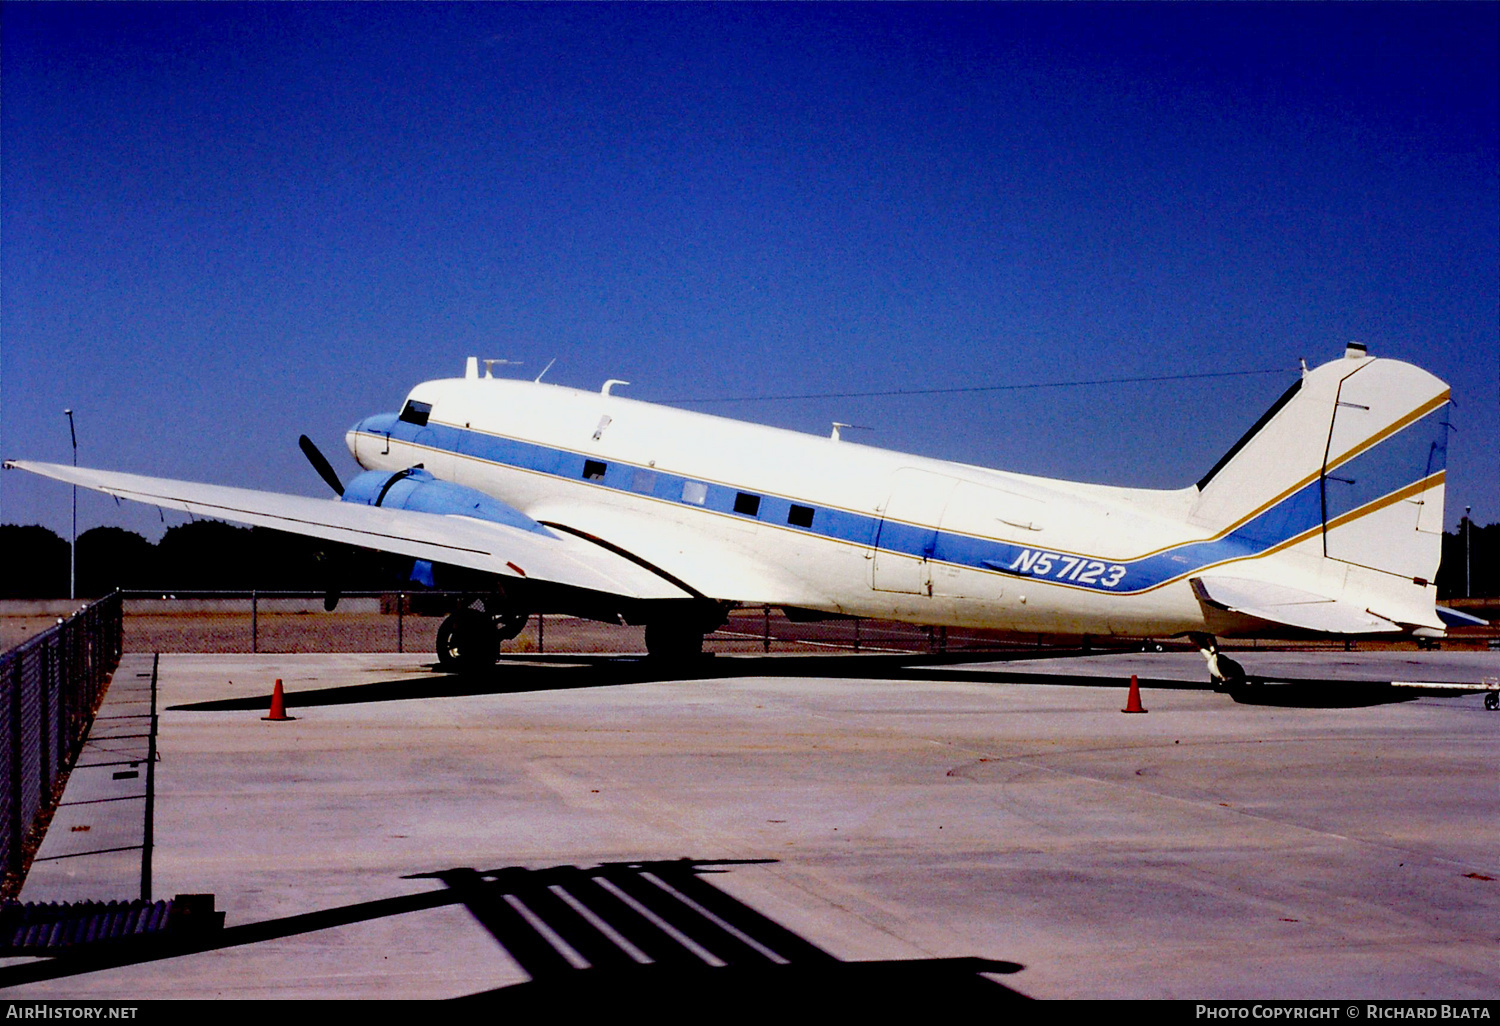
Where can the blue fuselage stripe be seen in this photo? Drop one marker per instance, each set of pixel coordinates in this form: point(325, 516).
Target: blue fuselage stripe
point(1416, 452)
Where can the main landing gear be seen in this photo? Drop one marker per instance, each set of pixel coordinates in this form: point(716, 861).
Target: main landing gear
point(673, 640)
point(468, 641)
point(676, 634)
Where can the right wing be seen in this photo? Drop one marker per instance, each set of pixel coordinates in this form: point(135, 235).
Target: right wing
point(484, 545)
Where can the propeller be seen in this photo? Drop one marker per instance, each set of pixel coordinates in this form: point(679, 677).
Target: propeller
point(320, 464)
point(326, 472)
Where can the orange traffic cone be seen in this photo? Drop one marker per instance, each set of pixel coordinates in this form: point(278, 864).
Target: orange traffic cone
point(278, 705)
point(1133, 703)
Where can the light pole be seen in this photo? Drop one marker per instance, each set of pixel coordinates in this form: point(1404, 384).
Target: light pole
point(1468, 526)
point(73, 546)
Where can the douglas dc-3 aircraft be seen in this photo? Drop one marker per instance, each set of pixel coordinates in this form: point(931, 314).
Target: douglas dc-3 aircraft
point(1326, 517)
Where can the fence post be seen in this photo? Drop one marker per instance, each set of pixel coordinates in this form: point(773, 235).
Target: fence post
point(856, 635)
point(766, 642)
point(15, 827)
point(254, 622)
point(76, 696)
point(116, 626)
point(149, 840)
point(400, 622)
point(48, 734)
point(540, 647)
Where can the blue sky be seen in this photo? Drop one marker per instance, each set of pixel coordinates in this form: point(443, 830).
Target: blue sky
point(224, 225)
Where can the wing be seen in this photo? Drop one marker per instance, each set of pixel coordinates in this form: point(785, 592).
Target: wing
point(715, 568)
point(497, 548)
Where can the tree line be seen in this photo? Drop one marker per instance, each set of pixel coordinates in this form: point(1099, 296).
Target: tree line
point(206, 555)
point(203, 555)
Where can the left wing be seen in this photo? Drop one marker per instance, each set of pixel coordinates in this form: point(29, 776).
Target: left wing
point(500, 548)
point(713, 567)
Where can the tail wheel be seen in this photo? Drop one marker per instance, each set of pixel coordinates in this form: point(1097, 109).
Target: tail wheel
point(1231, 672)
point(467, 642)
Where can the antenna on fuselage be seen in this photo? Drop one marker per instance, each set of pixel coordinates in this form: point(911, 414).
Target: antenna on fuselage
point(839, 425)
point(545, 369)
point(611, 383)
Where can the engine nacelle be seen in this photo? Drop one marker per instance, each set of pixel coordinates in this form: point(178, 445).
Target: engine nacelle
point(416, 490)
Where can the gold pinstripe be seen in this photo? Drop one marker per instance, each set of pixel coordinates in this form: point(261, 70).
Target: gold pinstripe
point(1366, 444)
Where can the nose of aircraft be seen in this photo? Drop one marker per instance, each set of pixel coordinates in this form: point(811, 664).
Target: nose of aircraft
point(371, 431)
point(363, 429)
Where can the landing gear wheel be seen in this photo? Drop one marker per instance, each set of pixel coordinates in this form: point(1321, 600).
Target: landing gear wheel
point(467, 642)
point(673, 641)
point(1492, 700)
point(508, 625)
point(1231, 674)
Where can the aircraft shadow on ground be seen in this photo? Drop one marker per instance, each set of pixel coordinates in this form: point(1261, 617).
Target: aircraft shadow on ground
point(1322, 694)
point(656, 932)
point(566, 672)
point(522, 674)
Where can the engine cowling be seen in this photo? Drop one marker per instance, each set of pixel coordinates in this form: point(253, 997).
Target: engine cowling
point(417, 490)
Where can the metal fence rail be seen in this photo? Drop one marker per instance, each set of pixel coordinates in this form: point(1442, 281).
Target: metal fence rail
point(295, 621)
point(50, 686)
point(285, 621)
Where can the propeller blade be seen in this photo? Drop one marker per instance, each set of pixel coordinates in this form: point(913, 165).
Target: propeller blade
point(320, 464)
point(336, 567)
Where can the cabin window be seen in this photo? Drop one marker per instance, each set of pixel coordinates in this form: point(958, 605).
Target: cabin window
point(416, 413)
point(800, 516)
point(593, 470)
point(747, 504)
point(695, 492)
point(643, 481)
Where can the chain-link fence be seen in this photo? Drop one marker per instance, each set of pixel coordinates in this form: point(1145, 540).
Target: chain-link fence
point(50, 686)
point(408, 622)
point(282, 621)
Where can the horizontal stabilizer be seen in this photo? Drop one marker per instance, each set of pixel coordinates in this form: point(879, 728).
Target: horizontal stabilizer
point(1290, 606)
point(1456, 618)
point(1448, 685)
point(463, 541)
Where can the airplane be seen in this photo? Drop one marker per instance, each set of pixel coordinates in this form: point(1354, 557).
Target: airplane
point(1326, 518)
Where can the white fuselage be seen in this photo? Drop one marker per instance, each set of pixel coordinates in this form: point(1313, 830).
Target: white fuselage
point(820, 524)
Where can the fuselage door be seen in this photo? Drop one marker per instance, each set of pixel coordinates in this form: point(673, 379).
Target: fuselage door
point(904, 544)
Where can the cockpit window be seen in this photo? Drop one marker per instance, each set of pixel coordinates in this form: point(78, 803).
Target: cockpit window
point(416, 413)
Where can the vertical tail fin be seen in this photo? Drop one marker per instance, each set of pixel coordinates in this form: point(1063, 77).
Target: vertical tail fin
point(1347, 468)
